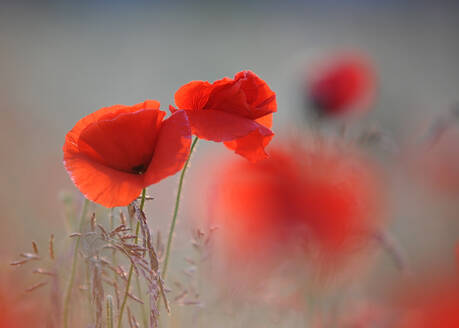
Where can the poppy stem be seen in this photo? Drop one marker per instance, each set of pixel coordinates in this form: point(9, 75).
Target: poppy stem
point(176, 208)
point(131, 269)
point(68, 292)
point(388, 243)
point(109, 311)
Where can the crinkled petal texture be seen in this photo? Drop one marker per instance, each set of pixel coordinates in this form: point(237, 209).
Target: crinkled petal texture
point(235, 111)
point(112, 154)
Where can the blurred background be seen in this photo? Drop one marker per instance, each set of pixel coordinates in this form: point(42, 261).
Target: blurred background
point(61, 60)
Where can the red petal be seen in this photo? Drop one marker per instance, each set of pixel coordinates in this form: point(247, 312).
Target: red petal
point(193, 95)
point(252, 146)
point(172, 148)
point(220, 126)
point(100, 183)
point(124, 142)
point(257, 91)
point(88, 168)
point(247, 95)
point(266, 120)
point(112, 111)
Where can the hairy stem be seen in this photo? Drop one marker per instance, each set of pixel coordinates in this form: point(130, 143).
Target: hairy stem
point(176, 208)
point(68, 292)
point(131, 269)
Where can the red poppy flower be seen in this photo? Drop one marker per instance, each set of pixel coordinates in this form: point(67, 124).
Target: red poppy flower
point(24, 314)
point(115, 152)
point(429, 304)
point(237, 112)
point(313, 205)
point(437, 165)
point(457, 254)
point(342, 85)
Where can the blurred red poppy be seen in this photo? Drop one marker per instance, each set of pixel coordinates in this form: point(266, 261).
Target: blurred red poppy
point(237, 112)
point(115, 152)
point(364, 314)
point(437, 163)
point(342, 85)
point(25, 314)
point(316, 204)
point(457, 254)
point(431, 303)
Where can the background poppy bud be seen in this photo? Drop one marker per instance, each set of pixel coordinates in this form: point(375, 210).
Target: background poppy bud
point(341, 85)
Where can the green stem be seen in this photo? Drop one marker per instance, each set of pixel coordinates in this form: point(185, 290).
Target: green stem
point(68, 292)
point(109, 311)
point(177, 203)
point(131, 269)
point(142, 200)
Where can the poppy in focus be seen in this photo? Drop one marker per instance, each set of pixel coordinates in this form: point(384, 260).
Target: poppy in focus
point(237, 112)
point(115, 152)
point(343, 85)
point(313, 204)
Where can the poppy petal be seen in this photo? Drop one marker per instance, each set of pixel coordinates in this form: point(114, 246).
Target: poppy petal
point(266, 120)
point(257, 91)
point(221, 126)
point(252, 146)
point(99, 182)
point(172, 148)
point(122, 143)
point(247, 95)
point(102, 184)
point(193, 95)
point(112, 111)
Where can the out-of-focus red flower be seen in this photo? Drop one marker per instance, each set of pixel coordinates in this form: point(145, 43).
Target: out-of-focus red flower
point(342, 85)
point(430, 304)
point(437, 163)
point(25, 314)
point(364, 315)
point(237, 112)
point(317, 203)
point(457, 254)
point(115, 152)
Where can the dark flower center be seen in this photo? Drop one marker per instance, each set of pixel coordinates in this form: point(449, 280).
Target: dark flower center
point(139, 169)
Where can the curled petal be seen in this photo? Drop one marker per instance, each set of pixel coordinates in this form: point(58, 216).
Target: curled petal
point(266, 120)
point(172, 148)
point(247, 95)
point(71, 139)
point(252, 146)
point(221, 126)
point(257, 91)
point(193, 95)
